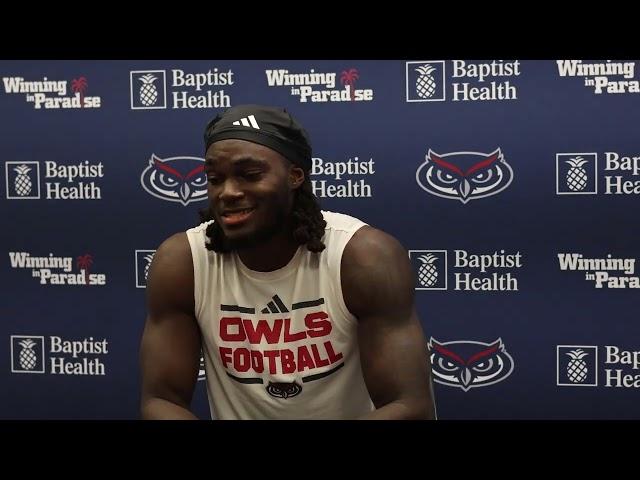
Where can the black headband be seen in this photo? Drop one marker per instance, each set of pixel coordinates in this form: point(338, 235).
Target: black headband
point(269, 126)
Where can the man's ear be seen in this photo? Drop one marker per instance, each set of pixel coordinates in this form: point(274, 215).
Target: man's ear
point(296, 177)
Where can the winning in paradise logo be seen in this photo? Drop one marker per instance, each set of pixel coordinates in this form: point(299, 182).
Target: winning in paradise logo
point(46, 94)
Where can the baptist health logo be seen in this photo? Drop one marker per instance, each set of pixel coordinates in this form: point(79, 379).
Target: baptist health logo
point(430, 267)
point(469, 81)
point(425, 81)
point(576, 173)
point(327, 177)
point(66, 357)
point(22, 180)
point(27, 354)
point(143, 263)
point(577, 365)
point(76, 181)
point(148, 89)
point(494, 271)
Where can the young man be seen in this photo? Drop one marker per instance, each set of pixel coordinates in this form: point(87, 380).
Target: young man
point(300, 313)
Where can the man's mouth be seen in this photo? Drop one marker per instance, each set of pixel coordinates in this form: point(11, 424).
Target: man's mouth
point(236, 216)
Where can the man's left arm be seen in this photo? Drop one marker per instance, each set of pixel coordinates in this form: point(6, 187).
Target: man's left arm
point(378, 289)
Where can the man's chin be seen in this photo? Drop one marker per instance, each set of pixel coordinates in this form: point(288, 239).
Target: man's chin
point(236, 240)
point(239, 242)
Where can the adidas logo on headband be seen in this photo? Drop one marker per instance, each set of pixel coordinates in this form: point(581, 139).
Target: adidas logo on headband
point(249, 121)
point(277, 130)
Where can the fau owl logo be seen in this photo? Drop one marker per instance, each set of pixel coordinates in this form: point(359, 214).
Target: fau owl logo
point(176, 179)
point(283, 390)
point(464, 176)
point(466, 364)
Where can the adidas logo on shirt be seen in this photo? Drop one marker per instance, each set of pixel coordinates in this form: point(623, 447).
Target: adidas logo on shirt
point(275, 306)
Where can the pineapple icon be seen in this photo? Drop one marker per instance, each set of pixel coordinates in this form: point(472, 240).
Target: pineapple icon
point(577, 368)
point(576, 176)
point(148, 91)
point(22, 182)
point(148, 259)
point(427, 273)
point(27, 357)
point(425, 84)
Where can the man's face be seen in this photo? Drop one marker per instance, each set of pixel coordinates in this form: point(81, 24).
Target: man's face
point(250, 190)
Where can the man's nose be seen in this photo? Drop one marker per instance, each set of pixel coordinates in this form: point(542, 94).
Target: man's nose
point(231, 190)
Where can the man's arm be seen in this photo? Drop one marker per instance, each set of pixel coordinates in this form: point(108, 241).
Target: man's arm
point(378, 289)
point(170, 347)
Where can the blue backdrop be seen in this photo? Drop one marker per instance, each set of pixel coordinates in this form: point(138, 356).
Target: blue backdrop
point(510, 183)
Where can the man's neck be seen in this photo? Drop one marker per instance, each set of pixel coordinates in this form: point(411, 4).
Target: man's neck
point(272, 255)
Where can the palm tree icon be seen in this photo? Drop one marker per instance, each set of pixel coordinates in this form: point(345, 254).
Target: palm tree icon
point(349, 78)
point(83, 262)
point(79, 85)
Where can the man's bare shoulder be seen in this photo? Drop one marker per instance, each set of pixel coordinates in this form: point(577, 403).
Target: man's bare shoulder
point(371, 246)
point(171, 272)
point(175, 249)
point(375, 268)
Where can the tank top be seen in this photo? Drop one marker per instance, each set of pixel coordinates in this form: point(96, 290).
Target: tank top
point(279, 344)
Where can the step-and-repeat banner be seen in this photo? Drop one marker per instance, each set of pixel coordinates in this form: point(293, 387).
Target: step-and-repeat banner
point(512, 184)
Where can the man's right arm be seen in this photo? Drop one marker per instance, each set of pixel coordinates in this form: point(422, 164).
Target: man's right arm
point(170, 347)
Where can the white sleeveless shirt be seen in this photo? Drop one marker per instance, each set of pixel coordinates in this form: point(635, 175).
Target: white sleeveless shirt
point(280, 344)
